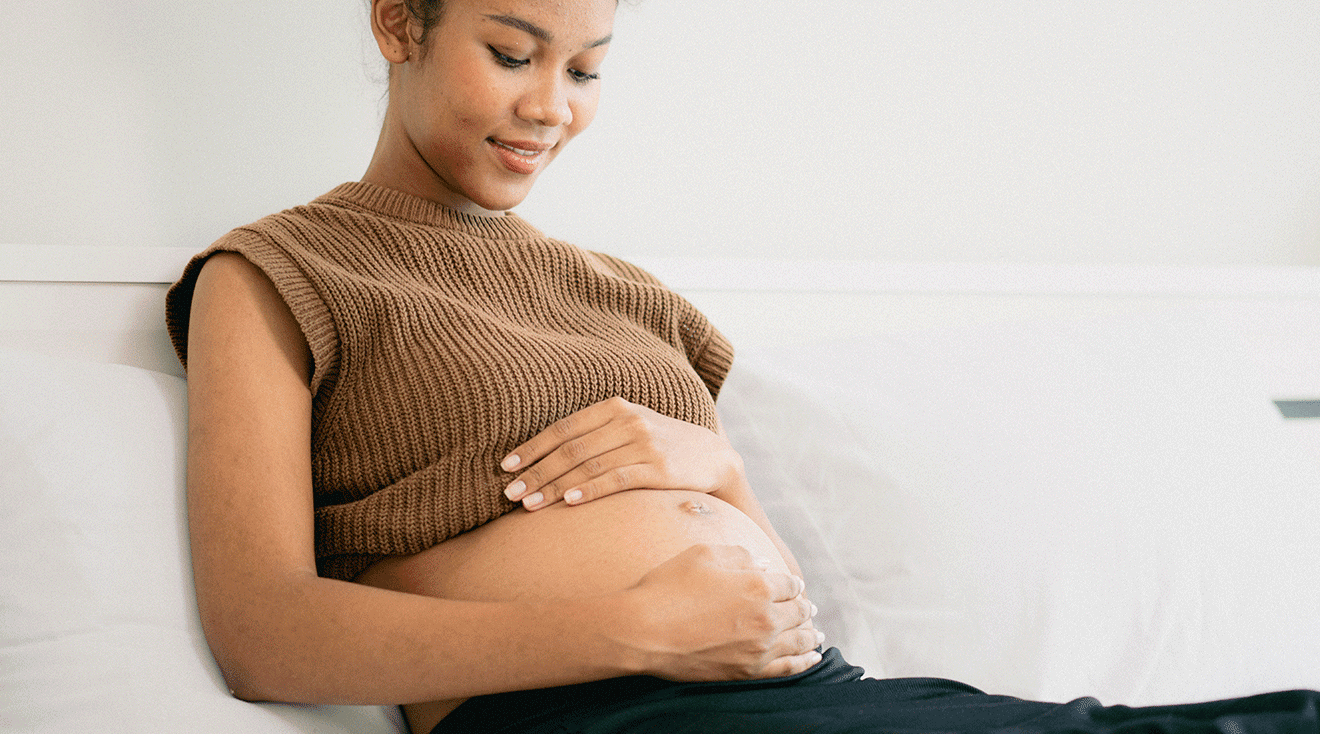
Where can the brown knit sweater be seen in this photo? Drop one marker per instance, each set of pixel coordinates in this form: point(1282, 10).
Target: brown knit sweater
point(440, 342)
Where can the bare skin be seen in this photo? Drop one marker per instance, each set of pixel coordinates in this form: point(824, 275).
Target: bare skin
point(597, 548)
point(641, 549)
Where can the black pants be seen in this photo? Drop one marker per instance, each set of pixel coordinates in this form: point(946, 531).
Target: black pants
point(833, 698)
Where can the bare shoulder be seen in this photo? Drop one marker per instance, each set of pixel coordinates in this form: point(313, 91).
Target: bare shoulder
point(237, 314)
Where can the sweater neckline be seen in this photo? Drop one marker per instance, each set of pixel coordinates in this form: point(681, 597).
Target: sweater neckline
point(395, 204)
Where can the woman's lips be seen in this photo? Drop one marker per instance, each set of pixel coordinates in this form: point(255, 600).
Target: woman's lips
point(519, 156)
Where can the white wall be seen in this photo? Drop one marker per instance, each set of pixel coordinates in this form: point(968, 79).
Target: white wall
point(1178, 131)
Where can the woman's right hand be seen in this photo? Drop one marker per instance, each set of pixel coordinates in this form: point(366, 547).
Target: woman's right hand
point(714, 613)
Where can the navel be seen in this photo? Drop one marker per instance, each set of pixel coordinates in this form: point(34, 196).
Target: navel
point(696, 507)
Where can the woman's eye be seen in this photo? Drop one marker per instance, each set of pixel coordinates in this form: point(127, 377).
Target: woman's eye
point(506, 60)
point(582, 77)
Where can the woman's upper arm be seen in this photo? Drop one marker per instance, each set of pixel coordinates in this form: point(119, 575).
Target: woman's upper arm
point(250, 505)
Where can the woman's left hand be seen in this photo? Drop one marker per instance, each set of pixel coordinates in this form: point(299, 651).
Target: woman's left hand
point(614, 446)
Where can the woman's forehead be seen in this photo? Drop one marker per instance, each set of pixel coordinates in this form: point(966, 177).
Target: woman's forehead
point(566, 17)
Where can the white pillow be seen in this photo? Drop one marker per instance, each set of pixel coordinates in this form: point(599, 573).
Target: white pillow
point(1109, 507)
point(98, 625)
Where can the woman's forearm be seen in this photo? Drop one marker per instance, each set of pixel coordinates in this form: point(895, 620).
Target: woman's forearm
point(709, 613)
point(315, 640)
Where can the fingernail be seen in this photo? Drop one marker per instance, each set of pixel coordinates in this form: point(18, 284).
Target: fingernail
point(573, 495)
point(515, 490)
point(813, 610)
point(510, 462)
point(532, 500)
point(820, 637)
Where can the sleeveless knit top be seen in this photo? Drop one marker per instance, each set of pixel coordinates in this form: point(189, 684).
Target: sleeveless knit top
point(441, 341)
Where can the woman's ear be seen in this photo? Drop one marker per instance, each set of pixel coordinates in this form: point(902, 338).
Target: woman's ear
point(389, 24)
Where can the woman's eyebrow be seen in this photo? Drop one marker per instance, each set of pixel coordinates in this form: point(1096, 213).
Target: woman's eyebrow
point(536, 31)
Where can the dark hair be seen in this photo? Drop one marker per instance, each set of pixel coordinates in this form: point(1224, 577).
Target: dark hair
point(427, 14)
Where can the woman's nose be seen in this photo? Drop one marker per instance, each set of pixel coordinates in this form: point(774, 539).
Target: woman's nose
point(546, 103)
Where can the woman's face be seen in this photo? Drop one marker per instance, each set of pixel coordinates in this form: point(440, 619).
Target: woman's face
point(499, 88)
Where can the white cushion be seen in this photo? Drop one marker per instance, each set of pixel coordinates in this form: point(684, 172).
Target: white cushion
point(1106, 506)
point(98, 626)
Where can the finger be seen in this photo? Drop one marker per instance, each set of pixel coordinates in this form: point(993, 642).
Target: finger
point(577, 461)
point(618, 479)
point(784, 586)
point(573, 426)
point(581, 490)
point(790, 664)
point(793, 614)
point(555, 435)
point(794, 650)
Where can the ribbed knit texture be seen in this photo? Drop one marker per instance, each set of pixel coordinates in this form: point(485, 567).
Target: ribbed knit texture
point(441, 341)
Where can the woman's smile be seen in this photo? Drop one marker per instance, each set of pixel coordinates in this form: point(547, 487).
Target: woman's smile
point(520, 156)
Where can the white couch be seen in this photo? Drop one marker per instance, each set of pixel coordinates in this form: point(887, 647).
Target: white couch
point(1048, 482)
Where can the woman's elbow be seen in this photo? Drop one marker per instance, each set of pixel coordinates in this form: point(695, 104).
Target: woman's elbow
point(250, 650)
point(240, 660)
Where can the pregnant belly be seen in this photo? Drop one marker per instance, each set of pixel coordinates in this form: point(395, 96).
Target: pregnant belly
point(563, 551)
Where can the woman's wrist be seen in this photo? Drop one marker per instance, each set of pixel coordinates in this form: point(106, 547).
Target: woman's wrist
point(733, 481)
point(609, 629)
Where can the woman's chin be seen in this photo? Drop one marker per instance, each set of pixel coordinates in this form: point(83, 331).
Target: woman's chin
point(497, 191)
point(492, 203)
point(500, 201)
point(488, 198)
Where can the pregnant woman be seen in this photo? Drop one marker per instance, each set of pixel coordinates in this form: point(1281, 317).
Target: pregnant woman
point(437, 459)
